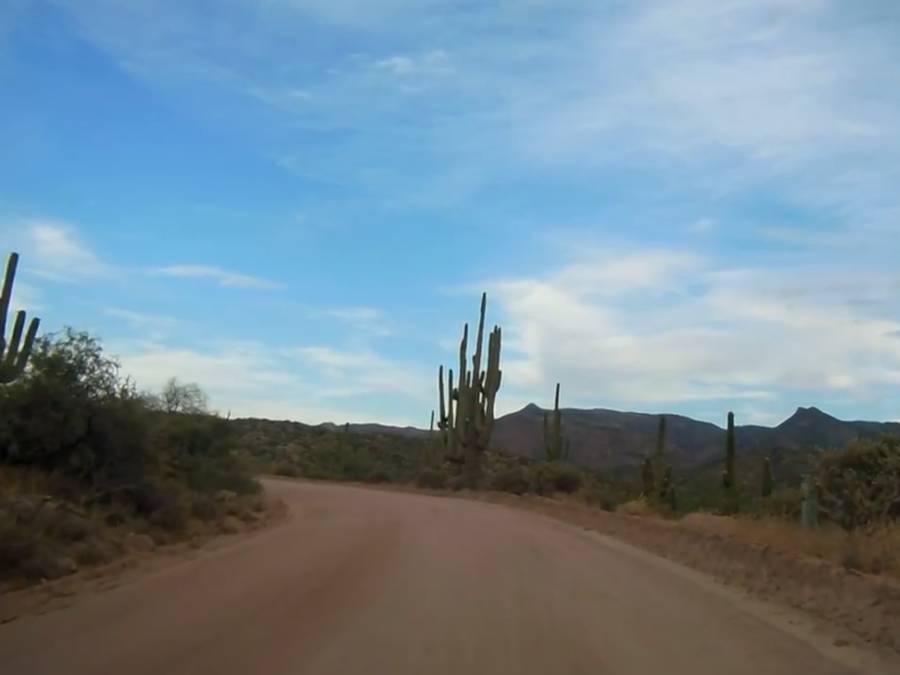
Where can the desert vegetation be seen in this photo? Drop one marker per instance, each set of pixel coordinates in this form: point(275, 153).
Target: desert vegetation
point(91, 468)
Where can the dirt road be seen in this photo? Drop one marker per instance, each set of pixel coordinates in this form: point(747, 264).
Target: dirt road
point(370, 582)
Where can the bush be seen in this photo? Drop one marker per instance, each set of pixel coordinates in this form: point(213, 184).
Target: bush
point(861, 485)
point(510, 480)
point(205, 508)
point(173, 515)
point(431, 479)
point(547, 479)
point(456, 483)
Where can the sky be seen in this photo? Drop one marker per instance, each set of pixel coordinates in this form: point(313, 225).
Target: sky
point(682, 206)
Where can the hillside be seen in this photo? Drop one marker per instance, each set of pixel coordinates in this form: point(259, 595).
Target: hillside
point(607, 439)
point(610, 439)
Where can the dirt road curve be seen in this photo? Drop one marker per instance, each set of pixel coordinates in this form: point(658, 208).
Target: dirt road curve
point(369, 582)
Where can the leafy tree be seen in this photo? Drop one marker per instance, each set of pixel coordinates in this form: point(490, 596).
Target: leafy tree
point(187, 398)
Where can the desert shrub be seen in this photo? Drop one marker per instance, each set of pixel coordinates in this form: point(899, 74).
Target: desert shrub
point(205, 508)
point(510, 480)
point(172, 516)
point(861, 485)
point(71, 527)
point(595, 495)
point(784, 503)
point(431, 479)
point(94, 552)
point(456, 483)
point(547, 479)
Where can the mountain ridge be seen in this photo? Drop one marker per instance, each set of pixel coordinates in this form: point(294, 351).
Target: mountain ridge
point(605, 438)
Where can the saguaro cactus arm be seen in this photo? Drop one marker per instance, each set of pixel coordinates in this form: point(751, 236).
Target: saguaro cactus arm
point(14, 353)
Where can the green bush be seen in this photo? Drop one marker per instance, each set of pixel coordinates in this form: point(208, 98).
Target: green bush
point(859, 486)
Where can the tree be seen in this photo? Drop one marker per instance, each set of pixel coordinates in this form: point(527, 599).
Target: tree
point(186, 398)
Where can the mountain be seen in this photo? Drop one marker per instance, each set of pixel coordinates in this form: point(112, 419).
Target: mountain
point(375, 428)
point(608, 439)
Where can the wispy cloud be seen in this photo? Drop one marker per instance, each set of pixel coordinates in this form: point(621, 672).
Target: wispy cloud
point(252, 379)
point(55, 250)
point(219, 276)
point(364, 319)
point(353, 373)
point(712, 334)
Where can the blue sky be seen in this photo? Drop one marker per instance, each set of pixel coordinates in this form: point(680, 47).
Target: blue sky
point(684, 205)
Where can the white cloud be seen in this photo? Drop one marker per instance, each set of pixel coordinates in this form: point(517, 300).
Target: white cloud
point(219, 276)
point(251, 379)
point(52, 249)
point(354, 373)
point(431, 64)
point(363, 319)
point(708, 334)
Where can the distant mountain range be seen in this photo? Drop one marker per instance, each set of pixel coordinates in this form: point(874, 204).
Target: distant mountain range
point(607, 439)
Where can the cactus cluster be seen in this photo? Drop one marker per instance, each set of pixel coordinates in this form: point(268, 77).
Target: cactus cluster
point(14, 353)
point(556, 446)
point(466, 431)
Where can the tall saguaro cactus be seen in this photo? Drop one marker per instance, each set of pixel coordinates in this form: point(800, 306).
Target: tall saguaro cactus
point(659, 458)
point(556, 447)
point(728, 480)
point(14, 353)
point(467, 433)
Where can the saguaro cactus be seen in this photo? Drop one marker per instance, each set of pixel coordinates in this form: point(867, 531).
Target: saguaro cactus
point(556, 446)
point(15, 352)
point(728, 480)
point(467, 433)
point(659, 459)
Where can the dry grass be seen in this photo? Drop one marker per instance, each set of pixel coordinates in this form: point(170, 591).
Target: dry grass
point(636, 507)
point(875, 550)
point(44, 534)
